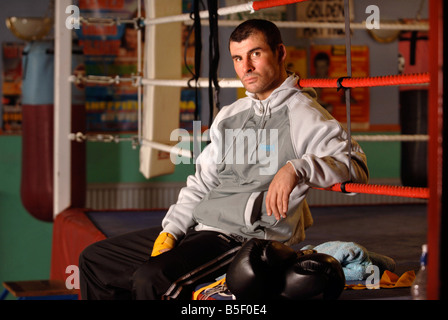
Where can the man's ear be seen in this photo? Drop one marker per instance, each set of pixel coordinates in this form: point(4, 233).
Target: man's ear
point(281, 51)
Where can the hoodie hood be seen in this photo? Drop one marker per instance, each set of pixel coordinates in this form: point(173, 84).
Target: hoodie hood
point(280, 95)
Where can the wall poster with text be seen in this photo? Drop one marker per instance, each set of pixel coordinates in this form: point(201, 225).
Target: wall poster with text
point(329, 61)
point(322, 11)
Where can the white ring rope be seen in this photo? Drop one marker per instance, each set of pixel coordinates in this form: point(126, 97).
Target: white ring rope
point(104, 80)
point(203, 14)
point(107, 21)
point(81, 137)
point(202, 82)
point(419, 26)
point(137, 81)
point(391, 138)
point(167, 148)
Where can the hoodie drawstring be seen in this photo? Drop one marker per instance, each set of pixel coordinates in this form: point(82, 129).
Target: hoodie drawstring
point(261, 124)
point(246, 120)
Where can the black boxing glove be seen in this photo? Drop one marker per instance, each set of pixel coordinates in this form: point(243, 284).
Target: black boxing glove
point(258, 269)
point(315, 275)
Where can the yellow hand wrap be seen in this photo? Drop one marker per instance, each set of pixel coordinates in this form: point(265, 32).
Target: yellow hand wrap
point(164, 242)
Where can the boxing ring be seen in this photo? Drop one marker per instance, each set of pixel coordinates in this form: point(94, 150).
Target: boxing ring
point(75, 228)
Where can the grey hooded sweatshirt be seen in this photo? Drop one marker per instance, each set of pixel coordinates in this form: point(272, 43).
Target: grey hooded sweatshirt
point(250, 141)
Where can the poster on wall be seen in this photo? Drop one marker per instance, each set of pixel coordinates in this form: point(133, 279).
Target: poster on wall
point(11, 106)
point(110, 50)
point(329, 61)
point(296, 61)
point(322, 11)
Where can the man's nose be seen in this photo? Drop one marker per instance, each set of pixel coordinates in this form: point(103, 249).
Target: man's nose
point(248, 66)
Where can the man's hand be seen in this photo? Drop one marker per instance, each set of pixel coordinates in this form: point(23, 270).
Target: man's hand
point(164, 242)
point(279, 190)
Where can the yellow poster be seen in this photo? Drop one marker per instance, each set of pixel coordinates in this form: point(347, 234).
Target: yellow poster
point(329, 61)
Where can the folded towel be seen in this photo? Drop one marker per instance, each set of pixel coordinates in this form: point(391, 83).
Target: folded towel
point(354, 258)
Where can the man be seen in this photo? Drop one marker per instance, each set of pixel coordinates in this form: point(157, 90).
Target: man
point(266, 150)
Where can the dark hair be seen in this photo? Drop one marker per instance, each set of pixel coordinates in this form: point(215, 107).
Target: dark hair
point(321, 56)
point(249, 27)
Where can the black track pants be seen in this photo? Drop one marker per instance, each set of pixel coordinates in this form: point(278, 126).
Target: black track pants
point(122, 267)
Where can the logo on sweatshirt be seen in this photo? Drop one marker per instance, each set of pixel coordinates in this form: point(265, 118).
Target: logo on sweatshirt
point(234, 146)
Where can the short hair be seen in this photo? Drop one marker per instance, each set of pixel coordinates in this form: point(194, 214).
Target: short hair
point(249, 27)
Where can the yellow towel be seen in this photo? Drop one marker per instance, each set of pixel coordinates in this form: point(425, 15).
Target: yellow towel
point(389, 280)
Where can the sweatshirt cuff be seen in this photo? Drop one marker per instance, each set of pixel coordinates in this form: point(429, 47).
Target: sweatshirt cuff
point(173, 230)
point(301, 168)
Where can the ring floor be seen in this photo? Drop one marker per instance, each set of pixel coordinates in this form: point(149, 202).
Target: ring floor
point(396, 231)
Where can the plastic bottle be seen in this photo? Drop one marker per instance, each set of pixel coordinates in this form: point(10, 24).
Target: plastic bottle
point(418, 288)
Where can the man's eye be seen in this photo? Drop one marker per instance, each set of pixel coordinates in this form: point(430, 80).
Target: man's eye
point(255, 54)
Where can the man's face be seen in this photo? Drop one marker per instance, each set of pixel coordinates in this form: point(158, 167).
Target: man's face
point(259, 69)
point(321, 67)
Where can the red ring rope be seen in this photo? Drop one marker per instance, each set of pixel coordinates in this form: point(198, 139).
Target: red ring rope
point(258, 5)
point(405, 79)
point(397, 191)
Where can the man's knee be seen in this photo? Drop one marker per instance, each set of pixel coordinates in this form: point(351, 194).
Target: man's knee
point(89, 254)
point(150, 281)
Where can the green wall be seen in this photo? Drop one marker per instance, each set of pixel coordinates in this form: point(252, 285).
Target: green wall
point(25, 242)
point(383, 158)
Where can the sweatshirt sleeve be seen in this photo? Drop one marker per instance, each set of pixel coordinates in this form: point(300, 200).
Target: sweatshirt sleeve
point(322, 148)
point(180, 215)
